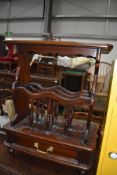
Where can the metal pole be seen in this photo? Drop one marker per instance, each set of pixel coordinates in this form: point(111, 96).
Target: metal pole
point(107, 20)
point(48, 16)
point(8, 15)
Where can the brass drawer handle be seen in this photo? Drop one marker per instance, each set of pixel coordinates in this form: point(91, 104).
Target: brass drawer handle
point(50, 149)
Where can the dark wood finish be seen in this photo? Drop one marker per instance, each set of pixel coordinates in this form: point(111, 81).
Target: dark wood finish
point(6, 79)
point(46, 72)
point(61, 47)
point(53, 48)
point(13, 163)
point(7, 61)
point(58, 137)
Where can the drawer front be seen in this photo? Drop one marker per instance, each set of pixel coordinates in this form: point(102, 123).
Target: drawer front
point(44, 147)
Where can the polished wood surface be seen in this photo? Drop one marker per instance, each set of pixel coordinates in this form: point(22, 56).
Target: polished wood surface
point(54, 48)
point(15, 163)
point(71, 144)
point(105, 48)
point(67, 149)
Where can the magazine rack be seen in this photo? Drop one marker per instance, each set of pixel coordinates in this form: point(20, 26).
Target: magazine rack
point(40, 129)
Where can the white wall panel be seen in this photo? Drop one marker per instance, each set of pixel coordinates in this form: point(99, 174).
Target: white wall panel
point(3, 9)
point(68, 26)
point(26, 27)
point(21, 9)
point(27, 8)
point(84, 10)
point(80, 7)
point(113, 7)
point(79, 27)
point(2, 27)
point(112, 27)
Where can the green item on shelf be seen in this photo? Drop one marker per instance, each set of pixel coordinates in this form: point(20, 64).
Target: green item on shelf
point(75, 71)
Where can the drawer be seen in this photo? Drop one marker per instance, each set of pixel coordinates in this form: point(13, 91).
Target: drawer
point(60, 152)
